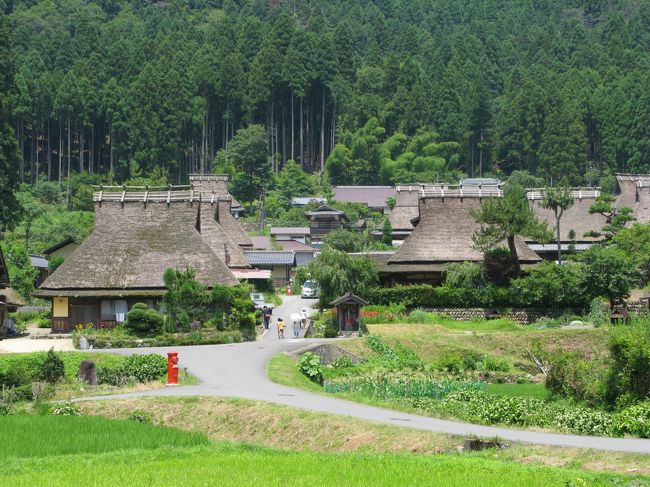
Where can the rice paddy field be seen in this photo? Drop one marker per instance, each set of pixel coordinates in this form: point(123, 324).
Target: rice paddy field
point(61, 451)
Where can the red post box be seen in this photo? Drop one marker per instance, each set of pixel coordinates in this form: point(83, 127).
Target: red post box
point(172, 368)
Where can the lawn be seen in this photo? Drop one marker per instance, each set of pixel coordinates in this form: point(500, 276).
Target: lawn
point(128, 453)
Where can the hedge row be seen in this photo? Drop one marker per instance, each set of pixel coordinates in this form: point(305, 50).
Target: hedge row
point(426, 296)
point(165, 340)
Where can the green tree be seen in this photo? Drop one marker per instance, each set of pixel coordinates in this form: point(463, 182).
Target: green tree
point(558, 199)
point(292, 181)
point(186, 299)
point(338, 273)
point(344, 240)
point(248, 154)
point(616, 218)
point(21, 272)
point(609, 273)
point(502, 219)
point(387, 233)
point(9, 158)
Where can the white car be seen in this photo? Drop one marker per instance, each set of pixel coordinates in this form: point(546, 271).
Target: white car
point(310, 289)
point(258, 300)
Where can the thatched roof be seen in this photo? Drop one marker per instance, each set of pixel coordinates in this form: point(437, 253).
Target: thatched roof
point(133, 244)
point(575, 218)
point(4, 272)
point(218, 239)
point(400, 217)
point(230, 223)
point(407, 194)
point(11, 297)
point(444, 234)
point(207, 184)
point(642, 206)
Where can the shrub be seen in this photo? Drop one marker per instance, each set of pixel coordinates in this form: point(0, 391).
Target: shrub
point(551, 286)
point(634, 421)
point(145, 368)
point(464, 275)
point(143, 319)
point(309, 365)
point(141, 416)
point(599, 312)
point(630, 362)
point(68, 408)
point(426, 296)
point(570, 375)
point(581, 420)
point(492, 364)
point(451, 362)
point(343, 362)
point(52, 369)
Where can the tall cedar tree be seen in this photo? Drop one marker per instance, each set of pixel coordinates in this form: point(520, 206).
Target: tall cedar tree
point(502, 219)
point(9, 157)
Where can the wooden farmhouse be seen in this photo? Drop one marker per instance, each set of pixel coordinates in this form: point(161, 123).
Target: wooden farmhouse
point(138, 234)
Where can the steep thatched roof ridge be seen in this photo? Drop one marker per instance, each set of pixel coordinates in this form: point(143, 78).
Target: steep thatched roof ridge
point(133, 244)
point(212, 183)
point(218, 239)
point(627, 191)
point(230, 224)
point(642, 207)
point(575, 218)
point(444, 234)
point(400, 217)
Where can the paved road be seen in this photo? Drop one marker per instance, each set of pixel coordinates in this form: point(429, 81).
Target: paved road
point(239, 370)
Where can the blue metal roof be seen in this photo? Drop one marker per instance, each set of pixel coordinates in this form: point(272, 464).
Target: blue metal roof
point(270, 257)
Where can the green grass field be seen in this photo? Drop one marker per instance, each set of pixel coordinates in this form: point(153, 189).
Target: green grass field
point(538, 391)
point(128, 453)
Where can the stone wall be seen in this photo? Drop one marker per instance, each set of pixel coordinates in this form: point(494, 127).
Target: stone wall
point(521, 316)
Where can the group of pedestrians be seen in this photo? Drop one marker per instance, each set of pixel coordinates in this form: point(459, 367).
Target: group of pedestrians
point(299, 321)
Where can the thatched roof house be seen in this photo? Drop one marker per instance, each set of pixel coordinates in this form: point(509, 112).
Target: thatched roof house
point(576, 218)
point(634, 192)
point(137, 236)
point(443, 233)
point(208, 184)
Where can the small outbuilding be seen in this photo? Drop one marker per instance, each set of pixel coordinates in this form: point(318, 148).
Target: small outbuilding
point(619, 315)
point(348, 312)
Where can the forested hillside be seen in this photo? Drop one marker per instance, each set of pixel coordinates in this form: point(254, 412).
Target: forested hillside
point(377, 91)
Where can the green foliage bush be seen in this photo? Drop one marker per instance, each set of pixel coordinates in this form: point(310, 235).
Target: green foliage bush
point(468, 275)
point(599, 312)
point(424, 295)
point(573, 376)
point(309, 364)
point(630, 362)
point(552, 286)
point(145, 368)
point(142, 319)
point(52, 369)
point(633, 421)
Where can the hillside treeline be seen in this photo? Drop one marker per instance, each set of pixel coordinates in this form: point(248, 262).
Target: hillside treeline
point(393, 90)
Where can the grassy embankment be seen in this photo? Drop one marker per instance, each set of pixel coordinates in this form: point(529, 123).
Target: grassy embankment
point(102, 452)
point(69, 387)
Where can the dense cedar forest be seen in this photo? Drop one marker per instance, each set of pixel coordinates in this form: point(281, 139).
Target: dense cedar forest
point(374, 91)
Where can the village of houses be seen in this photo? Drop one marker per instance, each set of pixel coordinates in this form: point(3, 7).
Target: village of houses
point(139, 233)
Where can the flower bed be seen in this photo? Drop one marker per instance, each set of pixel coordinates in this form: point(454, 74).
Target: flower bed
point(109, 340)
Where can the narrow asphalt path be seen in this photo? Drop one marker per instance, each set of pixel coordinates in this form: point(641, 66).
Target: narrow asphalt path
point(239, 370)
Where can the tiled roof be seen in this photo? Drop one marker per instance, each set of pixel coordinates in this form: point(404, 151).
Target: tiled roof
point(270, 257)
point(294, 246)
point(372, 196)
point(290, 231)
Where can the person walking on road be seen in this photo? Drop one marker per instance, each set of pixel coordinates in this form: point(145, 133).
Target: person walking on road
point(303, 318)
point(266, 315)
point(296, 328)
point(280, 328)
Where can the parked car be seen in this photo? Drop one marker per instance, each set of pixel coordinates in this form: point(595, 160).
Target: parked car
point(259, 301)
point(310, 289)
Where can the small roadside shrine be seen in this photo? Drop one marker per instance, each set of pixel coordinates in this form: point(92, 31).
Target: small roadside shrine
point(348, 312)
